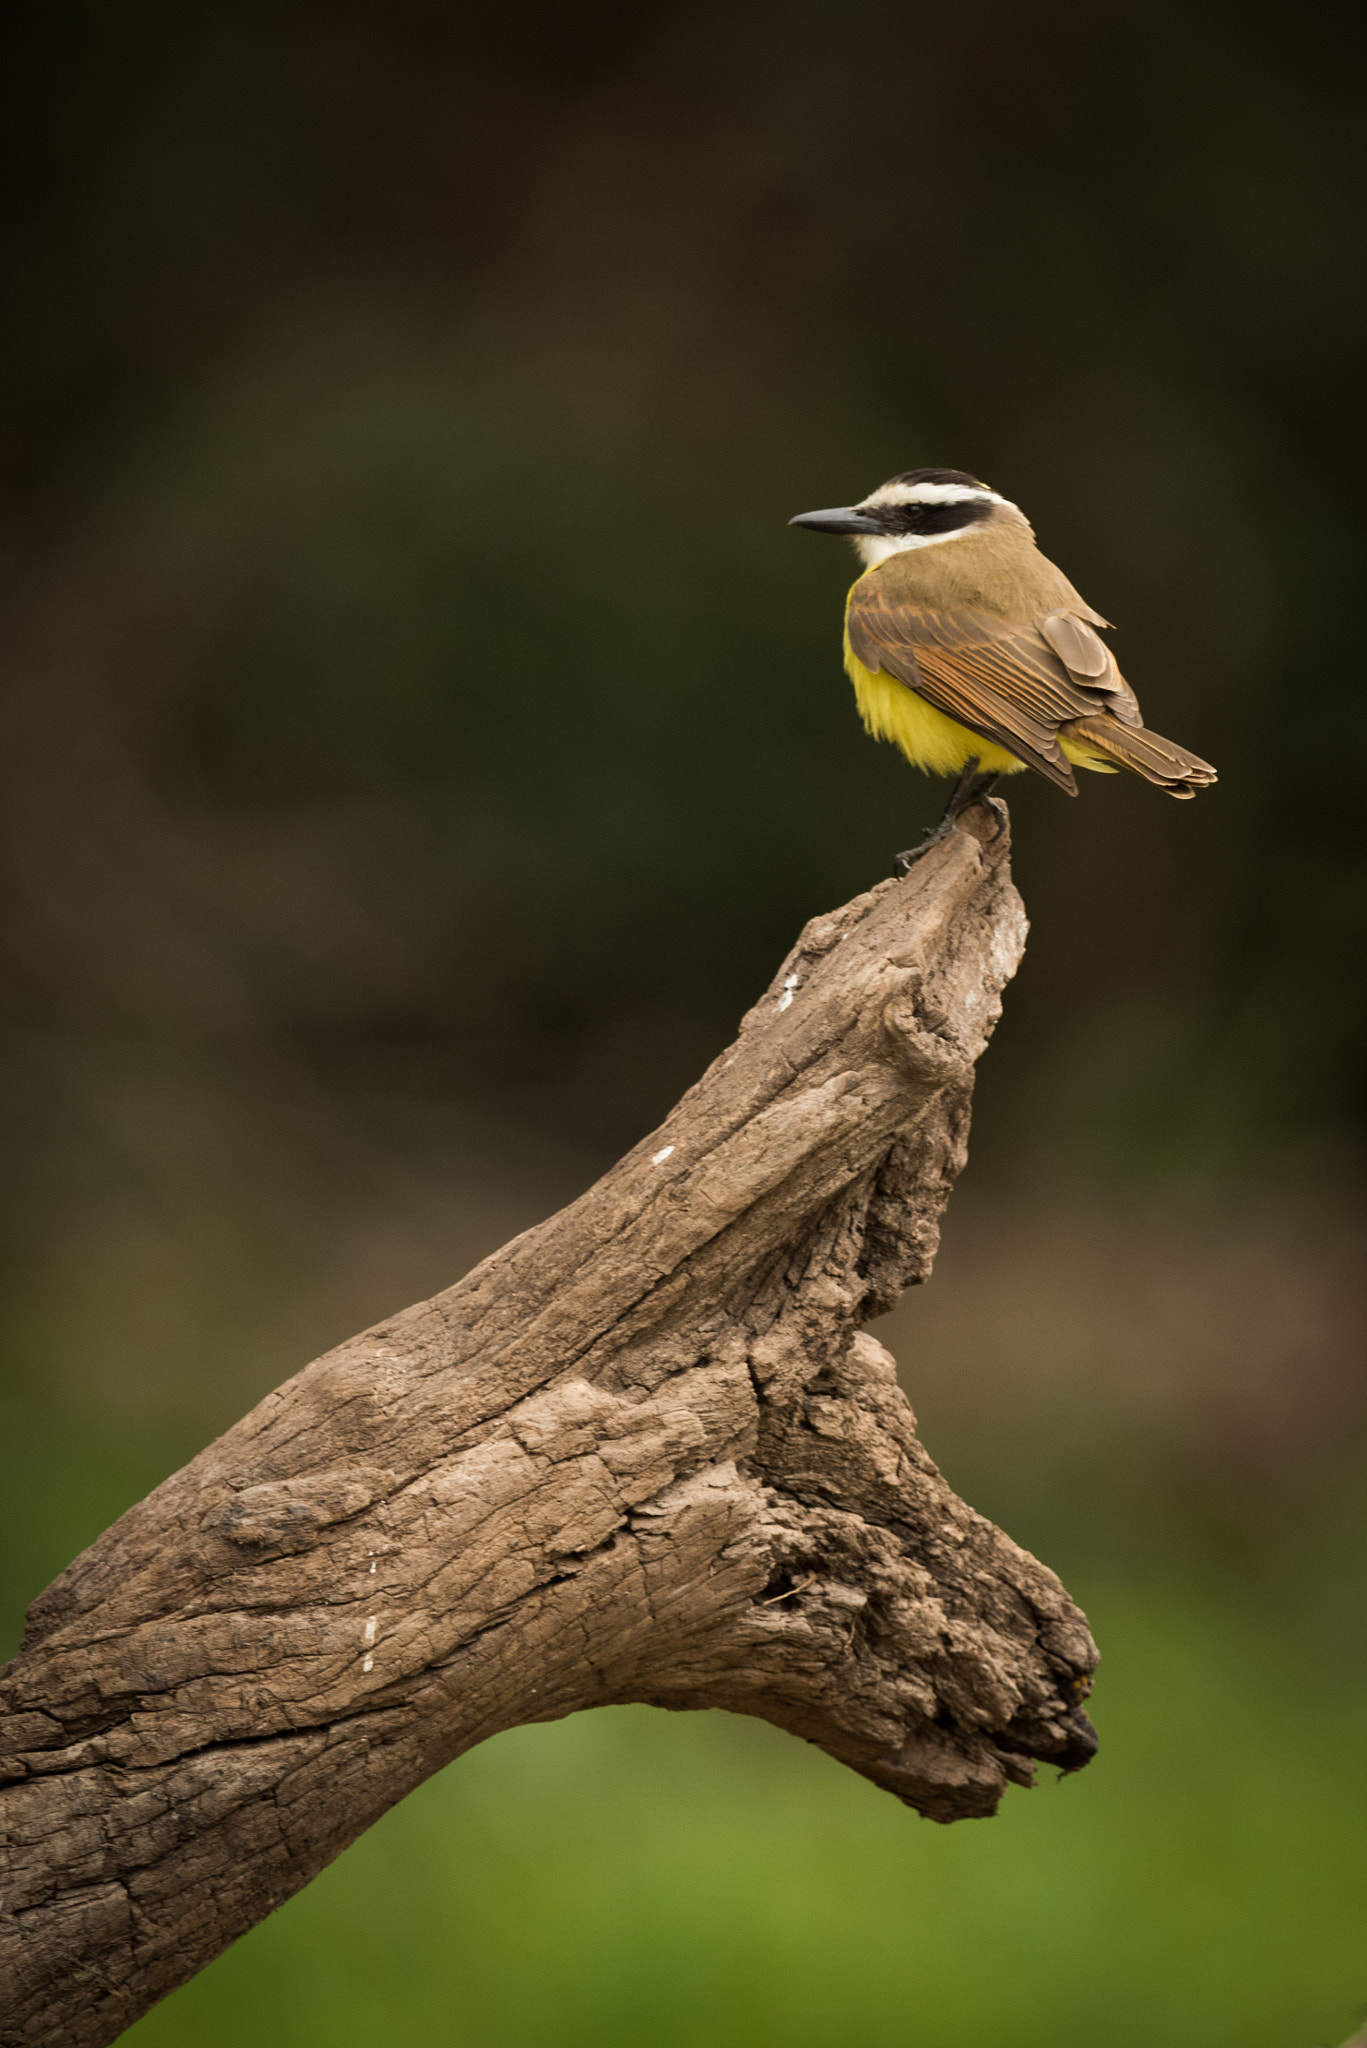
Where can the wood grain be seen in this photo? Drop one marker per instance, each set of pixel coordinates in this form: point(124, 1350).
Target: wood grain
point(646, 1452)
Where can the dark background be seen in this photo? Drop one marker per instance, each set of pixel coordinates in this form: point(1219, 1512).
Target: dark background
point(421, 739)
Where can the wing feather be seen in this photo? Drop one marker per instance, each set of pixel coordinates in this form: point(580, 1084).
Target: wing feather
point(1075, 644)
point(1015, 682)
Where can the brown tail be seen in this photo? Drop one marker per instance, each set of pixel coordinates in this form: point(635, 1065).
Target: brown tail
point(1133, 746)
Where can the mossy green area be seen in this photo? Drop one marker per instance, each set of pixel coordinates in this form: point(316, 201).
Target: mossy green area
point(631, 1876)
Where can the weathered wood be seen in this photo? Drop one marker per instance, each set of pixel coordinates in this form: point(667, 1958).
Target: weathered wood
point(645, 1452)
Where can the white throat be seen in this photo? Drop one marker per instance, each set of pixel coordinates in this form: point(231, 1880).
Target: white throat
point(873, 548)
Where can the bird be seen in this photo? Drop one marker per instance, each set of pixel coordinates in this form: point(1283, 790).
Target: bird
point(971, 652)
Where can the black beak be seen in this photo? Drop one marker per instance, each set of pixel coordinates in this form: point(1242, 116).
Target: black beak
point(840, 519)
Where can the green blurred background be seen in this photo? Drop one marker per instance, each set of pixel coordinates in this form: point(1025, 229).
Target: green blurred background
point(422, 738)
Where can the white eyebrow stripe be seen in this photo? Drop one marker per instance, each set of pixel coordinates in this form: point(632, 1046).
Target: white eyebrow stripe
point(931, 494)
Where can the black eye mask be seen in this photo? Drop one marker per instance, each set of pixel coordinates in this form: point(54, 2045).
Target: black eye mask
point(932, 519)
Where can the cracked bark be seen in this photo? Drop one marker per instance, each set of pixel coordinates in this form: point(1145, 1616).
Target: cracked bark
point(643, 1453)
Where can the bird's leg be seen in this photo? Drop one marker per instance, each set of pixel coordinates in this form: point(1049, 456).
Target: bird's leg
point(963, 794)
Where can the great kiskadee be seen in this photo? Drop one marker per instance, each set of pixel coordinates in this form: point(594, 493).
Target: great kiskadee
point(969, 650)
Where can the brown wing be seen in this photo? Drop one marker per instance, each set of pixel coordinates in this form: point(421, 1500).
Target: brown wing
point(1014, 683)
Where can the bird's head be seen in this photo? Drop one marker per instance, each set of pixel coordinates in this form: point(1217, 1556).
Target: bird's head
point(915, 510)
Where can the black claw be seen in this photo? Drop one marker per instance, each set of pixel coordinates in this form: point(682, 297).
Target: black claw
point(998, 810)
point(903, 863)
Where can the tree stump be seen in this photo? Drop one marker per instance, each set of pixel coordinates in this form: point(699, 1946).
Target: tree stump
point(643, 1453)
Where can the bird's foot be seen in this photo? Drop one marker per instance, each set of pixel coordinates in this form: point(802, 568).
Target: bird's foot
point(903, 863)
point(967, 790)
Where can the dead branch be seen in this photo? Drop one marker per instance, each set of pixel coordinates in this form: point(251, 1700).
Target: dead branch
point(642, 1453)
